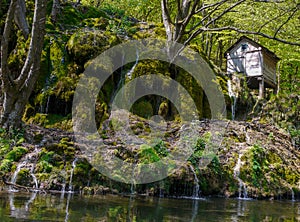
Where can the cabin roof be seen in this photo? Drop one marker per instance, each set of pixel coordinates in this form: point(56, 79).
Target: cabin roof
point(270, 53)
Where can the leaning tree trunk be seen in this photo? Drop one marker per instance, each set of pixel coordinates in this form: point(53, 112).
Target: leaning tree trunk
point(17, 90)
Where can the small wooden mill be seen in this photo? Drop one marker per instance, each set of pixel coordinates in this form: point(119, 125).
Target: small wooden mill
point(257, 63)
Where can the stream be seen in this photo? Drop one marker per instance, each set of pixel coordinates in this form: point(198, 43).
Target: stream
point(70, 207)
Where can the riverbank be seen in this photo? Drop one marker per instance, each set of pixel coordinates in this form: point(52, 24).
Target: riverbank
point(253, 161)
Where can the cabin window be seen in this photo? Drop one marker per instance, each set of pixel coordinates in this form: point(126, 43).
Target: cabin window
point(244, 46)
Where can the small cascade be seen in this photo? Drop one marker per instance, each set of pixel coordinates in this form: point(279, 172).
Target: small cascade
point(121, 81)
point(196, 188)
point(63, 188)
point(28, 161)
point(14, 176)
point(129, 74)
point(161, 190)
point(132, 188)
point(232, 97)
point(71, 175)
point(242, 185)
point(35, 181)
point(293, 194)
point(47, 105)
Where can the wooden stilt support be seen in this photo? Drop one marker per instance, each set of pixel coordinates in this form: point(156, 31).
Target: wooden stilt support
point(261, 87)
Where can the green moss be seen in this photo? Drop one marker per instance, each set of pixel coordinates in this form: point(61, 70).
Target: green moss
point(6, 165)
point(16, 153)
point(147, 154)
point(142, 108)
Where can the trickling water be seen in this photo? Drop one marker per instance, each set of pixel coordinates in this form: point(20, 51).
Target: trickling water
point(132, 185)
point(233, 97)
point(242, 185)
point(27, 162)
point(129, 74)
point(161, 192)
point(47, 105)
point(35, 181)
point(14, 176)
point(196, 188)
point(71, 176)
point(63, 188)
point(293, 194)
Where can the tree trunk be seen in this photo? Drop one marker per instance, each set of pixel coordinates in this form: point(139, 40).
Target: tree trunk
point(16, 91)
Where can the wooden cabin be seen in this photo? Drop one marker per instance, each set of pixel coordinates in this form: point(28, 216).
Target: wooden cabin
point(256, 62)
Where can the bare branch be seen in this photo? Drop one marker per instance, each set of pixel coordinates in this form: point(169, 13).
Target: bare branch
point(210, 6)
point(224, 12)
point(286, 21)
point(191, 14)
point(271, 20)
point(207, 16)
point(249, 32)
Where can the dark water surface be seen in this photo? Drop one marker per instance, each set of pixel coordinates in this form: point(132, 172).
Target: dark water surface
point(69, 207)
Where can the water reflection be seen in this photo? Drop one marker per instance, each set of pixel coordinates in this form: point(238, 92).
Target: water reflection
point(23, 210)
point(70, 207)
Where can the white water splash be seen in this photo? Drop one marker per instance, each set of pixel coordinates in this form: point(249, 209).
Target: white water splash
point(196, 188)
point(36, 185)
point(233, 97)
point(293, 194)
point(71, 175)
point(129, 74)
point(243, 194)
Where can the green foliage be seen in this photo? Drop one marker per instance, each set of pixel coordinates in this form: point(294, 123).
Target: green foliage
point(198, 151)
point(147, 154)
point(44, 167)
point(161, 149)
point(258, 161)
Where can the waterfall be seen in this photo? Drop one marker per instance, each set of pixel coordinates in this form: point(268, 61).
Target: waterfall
point(161, 192)
point(293, 194)
point(27, 161)
point(63, 188)
point(35, 181)
point(196, 188)
point(15, 175)
point(71, 175)
point(47, 105)
point(129, 74)
point(232, 96)
point(67, 208)
point(242, 185)
point(132, 185)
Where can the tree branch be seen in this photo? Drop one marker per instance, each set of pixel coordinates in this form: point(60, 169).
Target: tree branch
point(224, 12)
point(36, 44)
point(249, 32)
point(207, 16)
point(271, 20)
point(20, 18)
point(166, 20)
point(210, 6)
point(6, 80)
point(287, 20)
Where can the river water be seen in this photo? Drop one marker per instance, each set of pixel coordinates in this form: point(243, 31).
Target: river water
point(70, 207)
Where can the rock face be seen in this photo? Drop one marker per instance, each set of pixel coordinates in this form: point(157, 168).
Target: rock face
point(254, 160)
